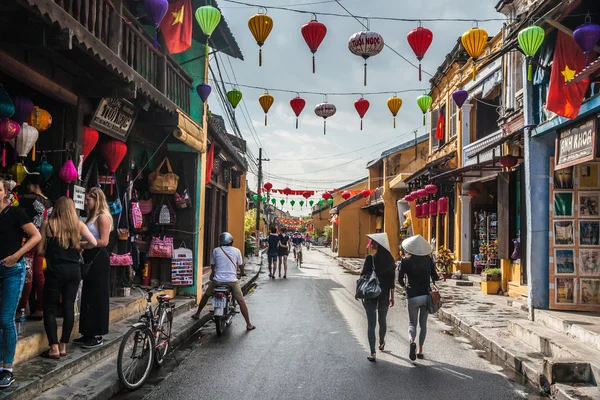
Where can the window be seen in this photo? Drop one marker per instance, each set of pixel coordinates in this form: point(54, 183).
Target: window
point(434, 118)
point(517, 72)
point(452, 121)
point(486, 119)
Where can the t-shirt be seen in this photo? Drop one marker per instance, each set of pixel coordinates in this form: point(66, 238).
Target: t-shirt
point(284, 239)
point(297, 240)
point(273, 243)
point(225, 270)
point(12, 220)
point(37, 207)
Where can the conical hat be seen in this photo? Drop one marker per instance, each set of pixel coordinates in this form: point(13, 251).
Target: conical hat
point(381, 239)
point(417, 245)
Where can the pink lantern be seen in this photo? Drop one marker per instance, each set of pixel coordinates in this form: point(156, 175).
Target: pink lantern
point(68, 173)
point(422, 193)
point(433, 208)
point(425, 208)
point(418, 211)
point(443, 205)
point(431, 189)
point(409, 198)
point(9, 130)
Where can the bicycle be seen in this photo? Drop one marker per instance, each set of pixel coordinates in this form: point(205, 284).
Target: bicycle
point(298, 255)
point(149, 339)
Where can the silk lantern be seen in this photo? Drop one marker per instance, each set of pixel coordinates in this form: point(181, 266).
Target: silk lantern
point(306, 195)
point(156, 11)
point(203, 91)
point(45, 168)
point(234, 96)
point(293, 203)
point(287, 191)
point(260, 25)
point(255, 197)
point(9, 130)
point(89, 139)
point(346, 195)
point(443, 205)
point(208, 18)
point(26, 141)
point(282, 202)
point(113, 153)
point(321, 202)
point(19, 172)
point(264, 200)
point(530, 39)
point(325, 110)
point(474, 41)
point(311, 202)
point(7, 108)
point(394, 103)
point(433, 208)
point(422, 193)
point(268, 186)
point(365, 193)
point(418, 211)
point(431, 189)
point(68, 173)
point(365, 44)
point(313, 33)
point(361, 105)
point(23, 108)
point(409, 198)
point(425, 209)
point(419, 40)
point(273, 201)
point(301, 202)
point(40, 119)
point(586, 36)
point(266, 101)
point(330, 202)
point(459, 97)
point(424, 102)
point(297, 104)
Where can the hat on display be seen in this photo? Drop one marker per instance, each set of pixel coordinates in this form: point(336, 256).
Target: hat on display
point(417, 245)
point(381, 239)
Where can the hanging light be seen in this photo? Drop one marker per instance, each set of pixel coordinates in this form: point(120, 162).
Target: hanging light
point(419, 40)
point(325, 110)
point(431, 189)
point(419, 211)
point(586, 36)
point(425, 209)
point(508, 161)
point(433, 208)
point(424, 102)
point(297, 104)
point(326, 195)
point(474, 41)
point(346, 195)
point(260, 25)
point(443, 205)
point(266, 101)
point(208, 17)
point(203, 91)
point(313, 32)
point(394, 103)
point(68, 173)
point(234, 96)
point(361, 105)
point(530, 39)
point(365, 193)
point(459, 97)
point(156, 11)
point(268, 186)
point(365, 44)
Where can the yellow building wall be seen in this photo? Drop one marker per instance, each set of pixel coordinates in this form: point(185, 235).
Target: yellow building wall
point(321, 219)
point(352, 231)
point(236, 209)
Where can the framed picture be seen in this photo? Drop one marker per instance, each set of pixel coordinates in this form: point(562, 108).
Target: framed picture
point(589, 204)
point(589, 233)
point(564, 261)
point(563, 204)
point(565, 290)
point(589, 262)
point(563, 178)
point(588, 176)
point(590, 292)
point(564, 233)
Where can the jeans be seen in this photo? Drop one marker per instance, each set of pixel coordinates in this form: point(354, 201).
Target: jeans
point(11, 285)
point(61, 280)
point(374, 308)
point(417, 309)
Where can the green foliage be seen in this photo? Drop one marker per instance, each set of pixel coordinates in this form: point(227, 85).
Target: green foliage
point(250, 222)
point(249, 247)
point(493, 271)
point(315, 234)
point(328, 232)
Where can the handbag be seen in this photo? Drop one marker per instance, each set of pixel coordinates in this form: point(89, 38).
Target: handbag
point(120, 260)
point(164, 214)
point(163, 183)
point(183, 201)
point(136, 215)
point(145, 206)
point(368, 288)
point(434, 300)
point(115, 206)
point(85, 267)
point(161, 248)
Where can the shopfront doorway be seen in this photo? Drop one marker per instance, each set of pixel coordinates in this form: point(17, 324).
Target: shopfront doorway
point(484, 207)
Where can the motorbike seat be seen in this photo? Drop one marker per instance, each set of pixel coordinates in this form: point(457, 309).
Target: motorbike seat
point(222, 288)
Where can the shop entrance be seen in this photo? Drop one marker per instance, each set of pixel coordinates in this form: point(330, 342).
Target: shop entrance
point(484, 207)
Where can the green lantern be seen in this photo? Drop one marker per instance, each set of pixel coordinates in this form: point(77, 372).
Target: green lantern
point(273, 201)
point(234, 96)
point(321, 202)
point(424, 101)
point(208, 17)
point(282, 201)
point(530, 40)
point(330, 201)
point(255, 197)
point(264, 199)
point(293, 203)
point(311, 202)
point(301, 203)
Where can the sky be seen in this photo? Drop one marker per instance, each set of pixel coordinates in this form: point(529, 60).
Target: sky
point(305, 158)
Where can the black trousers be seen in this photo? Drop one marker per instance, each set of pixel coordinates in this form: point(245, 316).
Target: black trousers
point(61, 280)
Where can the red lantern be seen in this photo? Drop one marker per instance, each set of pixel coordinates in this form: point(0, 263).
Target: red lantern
point(366, 193)
point(509, 161)
point(419, 40)
point(306, 195)
point(431, 189)
point(346, 195)
point(443, 205)
point(361, 105)
point(409, 198)
point(113, 153)
point(425, 209)
point(297, 104)
point(422, 193)
point(89, 139)
point(433, 208)
point(313, 32)
point(474, 192)
point(418, 211)
point(326, 195)
point(287, 191)
point(268, 186)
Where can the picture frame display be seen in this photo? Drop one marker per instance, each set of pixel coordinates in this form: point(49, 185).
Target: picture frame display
point(590, 292)
point(588, 176)
point(563, 178)
point(564, 233)
point(589, 233)
point(588, 262)
point(565, 261)
point(565, 290)
point(563, 204)
point(588, 204)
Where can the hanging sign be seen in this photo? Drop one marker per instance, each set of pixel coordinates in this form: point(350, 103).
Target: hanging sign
point(79, 197)
point(114, 117)
point(576, 145)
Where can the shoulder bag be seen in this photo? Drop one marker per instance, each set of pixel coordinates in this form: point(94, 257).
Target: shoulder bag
point(163, 183)
point(164, 214)
point(434, 300)
point(367, 287)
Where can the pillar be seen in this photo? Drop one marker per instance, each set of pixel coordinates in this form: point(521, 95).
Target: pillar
point(465, 124)
point(465, 229)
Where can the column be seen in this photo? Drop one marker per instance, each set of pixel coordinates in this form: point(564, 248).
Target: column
point(465, 229)
point(465, 123)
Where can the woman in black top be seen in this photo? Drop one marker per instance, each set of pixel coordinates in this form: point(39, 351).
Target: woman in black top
point(284, 250)
point(384, 265)
point(418, 267)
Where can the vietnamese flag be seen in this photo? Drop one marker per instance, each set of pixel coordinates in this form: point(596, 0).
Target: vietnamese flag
point(565, 100)
point(440, 131)
point(176, 26)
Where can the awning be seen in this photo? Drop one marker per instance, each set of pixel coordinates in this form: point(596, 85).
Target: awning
point(399, 181)
point(491, 145)
point(429, 166)
point(488, 165)
point(590, 70)
point(189, 132)
point(490, 83)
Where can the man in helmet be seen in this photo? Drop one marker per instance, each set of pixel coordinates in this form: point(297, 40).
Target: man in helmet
point(224, 262)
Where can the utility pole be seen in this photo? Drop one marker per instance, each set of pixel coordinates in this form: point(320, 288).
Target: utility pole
point(259, 202)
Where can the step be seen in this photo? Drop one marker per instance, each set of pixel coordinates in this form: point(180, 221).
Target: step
point(38, 374)
point(561, 391)
point(459, 282)
point(581, 326)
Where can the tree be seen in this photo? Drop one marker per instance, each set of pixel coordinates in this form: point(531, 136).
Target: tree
point(328, 232)
point(250, 222)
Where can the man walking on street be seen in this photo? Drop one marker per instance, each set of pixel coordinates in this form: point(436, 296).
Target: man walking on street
point(273, 251)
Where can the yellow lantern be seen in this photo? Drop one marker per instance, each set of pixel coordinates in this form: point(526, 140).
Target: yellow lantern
point(474, 41)
point(394, 103)
point(266, 101)
point(40, 119)
point(260, 25)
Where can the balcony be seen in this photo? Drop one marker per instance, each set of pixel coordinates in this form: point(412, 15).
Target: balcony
point(113, 34)
point(474, 153)
point(377, 197)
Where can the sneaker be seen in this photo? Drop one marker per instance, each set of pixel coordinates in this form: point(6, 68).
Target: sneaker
point(93, 342)
point(80, 340)
point(6, 379)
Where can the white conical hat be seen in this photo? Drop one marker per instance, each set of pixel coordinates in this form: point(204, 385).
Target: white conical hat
point(417, 245)
point(381, 239)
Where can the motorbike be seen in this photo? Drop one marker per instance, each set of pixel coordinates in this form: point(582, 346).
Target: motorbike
point(224, 308)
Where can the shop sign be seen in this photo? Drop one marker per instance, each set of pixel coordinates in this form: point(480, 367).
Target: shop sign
point(79, 197)
point(114, 117)
point(576, 145)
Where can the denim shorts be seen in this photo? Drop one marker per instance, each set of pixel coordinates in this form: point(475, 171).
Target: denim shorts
point(272, 257)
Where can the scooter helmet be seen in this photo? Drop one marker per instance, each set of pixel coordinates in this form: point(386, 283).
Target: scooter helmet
point(225, 239)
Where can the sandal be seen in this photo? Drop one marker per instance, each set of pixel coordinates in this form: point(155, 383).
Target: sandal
point(251, 328)
point(46, 354)
point(372, 358)
point(420, 356)
point(381, 346)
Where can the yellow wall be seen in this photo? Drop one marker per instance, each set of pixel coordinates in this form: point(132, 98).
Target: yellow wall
point(321, 219)
point(236, 208)
point(352, 231)
point(337, 197)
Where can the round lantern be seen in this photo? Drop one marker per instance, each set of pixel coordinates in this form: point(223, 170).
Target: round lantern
point(45, 168)
point(156, 11)
point(409, 198)
point(473, 192)
point(113, 153)
point(268, 186)
point(234, 96)
point(40, 119)
point(9, 130)
point(330, 202)
point(586, 36)
point(293, 203)
point(89, 139)
point(23, 108)
point(266, 101)
point(297, 104)
point(306, 195)
point(7, 108)
point(273, 201)
point(508, 161)
point(422, 193)
point(443, 205)
point(325, 110)
point(414, 194)
point(313, 33)
point(361, 106)
point(203, 91)
point(282, 202)
point(260, 25)
point(326, 195)
point(459, 97)
point(424, 102)
point(311, 202)
point(419, 40)
point(433, 208)
point(68, 173)
point(287, 191)
point(394, 103)
point(208, 17)
point(365, 44)
point(365, 193)
point(346, 195)
point(26, 141)
point(418, 211)
point(474, 41)
point(530, 39)
point(431, 189)
point(425, 209)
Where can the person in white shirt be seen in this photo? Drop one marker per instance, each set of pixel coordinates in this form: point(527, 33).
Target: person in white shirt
point(224, 263)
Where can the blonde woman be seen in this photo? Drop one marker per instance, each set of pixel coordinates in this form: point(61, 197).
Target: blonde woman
point(61, 245)
point(93, 321)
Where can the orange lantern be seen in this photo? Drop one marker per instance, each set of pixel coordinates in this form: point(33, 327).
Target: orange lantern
point(474, 41)
point(260, 25)
point(40, 119)
point(266, 101)
point(394, 103)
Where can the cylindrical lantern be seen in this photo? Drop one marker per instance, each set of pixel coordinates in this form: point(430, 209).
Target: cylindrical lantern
point(297, 104)
point(68, 173)
point(313, 32)
point(203, 91)
point(260, 25)
point(266, 101)
point(394, 103)
point(530, 39)
point(474, 41)
point(433, 208)
point(431, 189)
point(325, 110)
point(418, 211)
point(443, 205)
point(365, 44)
point(419, 40)
point(425, 209)
point(361, 105)
point(424, 102)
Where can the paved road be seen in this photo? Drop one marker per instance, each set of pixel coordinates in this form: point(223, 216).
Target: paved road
point(310, 343)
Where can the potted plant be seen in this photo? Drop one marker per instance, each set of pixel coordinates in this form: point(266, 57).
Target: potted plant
point(444, 259)
point(491, 280)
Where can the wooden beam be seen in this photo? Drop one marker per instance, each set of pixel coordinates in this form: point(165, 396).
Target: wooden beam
point(566, 30)
point(37, 81)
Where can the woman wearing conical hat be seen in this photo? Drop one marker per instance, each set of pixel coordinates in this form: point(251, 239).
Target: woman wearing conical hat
point(417, 267)
point(377, 308)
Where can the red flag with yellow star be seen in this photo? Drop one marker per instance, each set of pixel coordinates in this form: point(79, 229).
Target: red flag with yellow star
point(568, 60)
point(176, 26)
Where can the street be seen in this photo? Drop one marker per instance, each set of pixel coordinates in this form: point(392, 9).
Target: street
point(311, 343)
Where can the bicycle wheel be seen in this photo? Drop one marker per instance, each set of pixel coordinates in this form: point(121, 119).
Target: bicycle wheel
point(162, 334)
point(136, 356)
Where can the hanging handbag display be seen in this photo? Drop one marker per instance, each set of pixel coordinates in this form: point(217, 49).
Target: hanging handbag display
point(367, 287)
point(115, 206)
point(120, 260)
point(145, 206)
point(183, 201)
point(136, 215)
point(161, 247)
point(164, 214)
point(163, 183)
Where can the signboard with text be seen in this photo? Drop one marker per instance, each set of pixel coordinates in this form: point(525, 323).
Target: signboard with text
point(114, 117)
point(79, 197)
point(576, 144)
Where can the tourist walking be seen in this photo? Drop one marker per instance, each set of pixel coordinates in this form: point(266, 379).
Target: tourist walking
point(384, 265)
point(15, 225)
point(416, 270)
point(61, 245)
point(284, 251)
point(95, 307)
point(273, 251)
